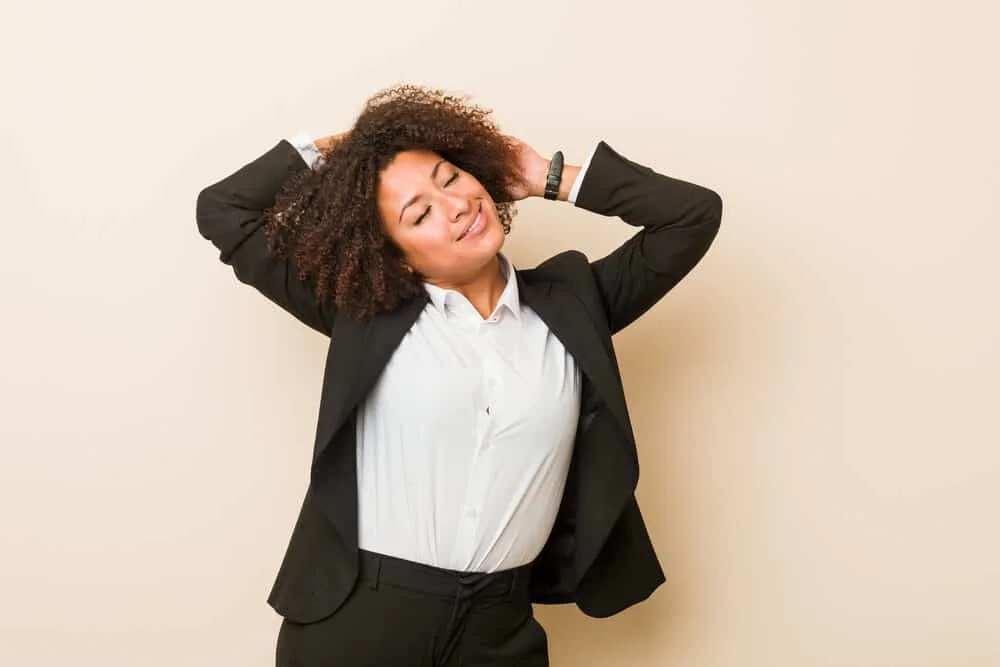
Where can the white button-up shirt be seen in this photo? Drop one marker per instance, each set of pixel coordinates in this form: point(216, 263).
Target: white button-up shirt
point(465, 441)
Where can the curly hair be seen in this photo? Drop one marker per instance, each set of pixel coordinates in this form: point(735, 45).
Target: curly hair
point(326, 220)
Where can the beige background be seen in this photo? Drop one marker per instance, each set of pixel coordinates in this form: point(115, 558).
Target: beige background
point(816, 406)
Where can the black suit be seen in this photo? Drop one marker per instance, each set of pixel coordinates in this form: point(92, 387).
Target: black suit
point(599, 554)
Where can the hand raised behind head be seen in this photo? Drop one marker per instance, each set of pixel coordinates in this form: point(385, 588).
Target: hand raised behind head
point(532, 168)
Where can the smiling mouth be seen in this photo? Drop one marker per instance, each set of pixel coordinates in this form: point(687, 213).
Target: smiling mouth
point(477, 222)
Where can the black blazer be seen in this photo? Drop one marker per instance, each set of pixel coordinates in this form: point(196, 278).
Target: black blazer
point(599, 554)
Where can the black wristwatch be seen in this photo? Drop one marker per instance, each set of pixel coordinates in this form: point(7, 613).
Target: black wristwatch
point(554, 177)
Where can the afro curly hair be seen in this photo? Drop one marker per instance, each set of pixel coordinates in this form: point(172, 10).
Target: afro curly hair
point(326, 220)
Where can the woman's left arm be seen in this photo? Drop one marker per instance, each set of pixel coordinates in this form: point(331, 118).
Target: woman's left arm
point(679, 221)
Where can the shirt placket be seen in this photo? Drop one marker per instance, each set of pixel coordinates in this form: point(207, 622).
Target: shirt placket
point(486, 408)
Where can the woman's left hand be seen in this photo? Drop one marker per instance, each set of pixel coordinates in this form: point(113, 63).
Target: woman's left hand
point(533, 168)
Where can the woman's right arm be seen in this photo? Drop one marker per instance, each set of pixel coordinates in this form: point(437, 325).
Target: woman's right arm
point(229, 215)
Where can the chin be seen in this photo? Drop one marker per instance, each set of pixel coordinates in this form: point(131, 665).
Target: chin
point(494, 238)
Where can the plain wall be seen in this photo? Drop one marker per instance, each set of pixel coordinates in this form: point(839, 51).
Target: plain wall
point(816, 406)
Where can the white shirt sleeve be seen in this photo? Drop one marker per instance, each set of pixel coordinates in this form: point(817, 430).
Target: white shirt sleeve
point(575, 190)
point(306, 147)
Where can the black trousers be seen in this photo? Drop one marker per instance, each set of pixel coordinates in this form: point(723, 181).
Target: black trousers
point(406, 614)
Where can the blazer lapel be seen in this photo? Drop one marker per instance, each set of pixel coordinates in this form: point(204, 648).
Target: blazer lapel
point(562, 311)
point(359, 351)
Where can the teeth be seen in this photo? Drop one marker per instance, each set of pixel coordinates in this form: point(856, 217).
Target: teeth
point(473, 225)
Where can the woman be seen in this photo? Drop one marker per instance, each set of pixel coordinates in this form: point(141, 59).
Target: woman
point(474, 452)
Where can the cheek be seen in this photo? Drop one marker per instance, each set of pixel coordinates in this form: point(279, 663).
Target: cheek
point(424, 241)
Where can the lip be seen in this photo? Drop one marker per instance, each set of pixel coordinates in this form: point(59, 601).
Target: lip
point(480, 219)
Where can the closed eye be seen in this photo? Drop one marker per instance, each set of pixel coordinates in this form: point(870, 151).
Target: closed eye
point(451, 179)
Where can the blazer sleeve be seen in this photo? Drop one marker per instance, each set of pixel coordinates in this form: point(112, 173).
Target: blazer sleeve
point(229, 215)
point(679, 221)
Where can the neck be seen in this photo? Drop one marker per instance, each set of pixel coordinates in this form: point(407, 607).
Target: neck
point(483, 290)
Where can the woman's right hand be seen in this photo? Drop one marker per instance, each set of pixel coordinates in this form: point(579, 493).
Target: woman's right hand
point(326, 144)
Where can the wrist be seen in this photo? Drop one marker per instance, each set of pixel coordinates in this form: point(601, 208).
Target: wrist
point(536, 184)
point(570, 173)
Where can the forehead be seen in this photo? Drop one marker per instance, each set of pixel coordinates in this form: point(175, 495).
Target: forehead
point(408, 170)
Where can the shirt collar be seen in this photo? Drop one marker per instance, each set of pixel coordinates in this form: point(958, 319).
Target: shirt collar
point(510, 298)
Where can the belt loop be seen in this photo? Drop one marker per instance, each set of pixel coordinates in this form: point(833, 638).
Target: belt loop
point(376, 572)
point(515, 577)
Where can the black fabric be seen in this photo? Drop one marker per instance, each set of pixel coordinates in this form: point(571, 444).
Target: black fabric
point(599, 554)
point(405, 614)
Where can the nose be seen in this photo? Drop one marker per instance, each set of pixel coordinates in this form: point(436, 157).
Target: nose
point(457, 206)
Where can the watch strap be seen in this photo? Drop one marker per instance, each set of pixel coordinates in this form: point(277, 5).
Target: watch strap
point(554, 177)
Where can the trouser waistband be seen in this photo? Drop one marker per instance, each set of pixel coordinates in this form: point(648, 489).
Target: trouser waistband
point(376, 569)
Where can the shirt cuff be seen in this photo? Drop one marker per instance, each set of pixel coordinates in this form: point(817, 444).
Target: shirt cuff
point(304, 144)
point(575, 190)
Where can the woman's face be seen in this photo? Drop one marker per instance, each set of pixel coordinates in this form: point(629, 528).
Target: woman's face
point(440, 216)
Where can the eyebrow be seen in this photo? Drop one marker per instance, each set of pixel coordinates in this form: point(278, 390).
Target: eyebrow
point(416, 197)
